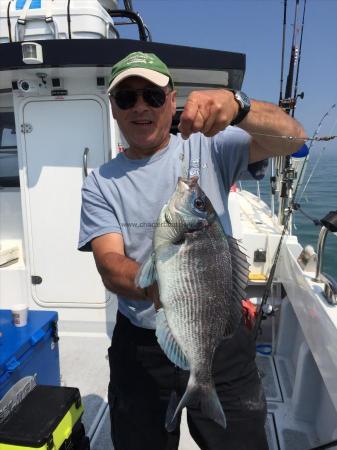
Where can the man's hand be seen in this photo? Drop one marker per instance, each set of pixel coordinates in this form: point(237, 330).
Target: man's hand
point(208, 112)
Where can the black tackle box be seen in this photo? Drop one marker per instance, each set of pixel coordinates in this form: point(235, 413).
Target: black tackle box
point(48, 418)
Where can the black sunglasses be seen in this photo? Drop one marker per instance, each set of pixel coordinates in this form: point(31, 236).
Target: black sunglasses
point(127, 98)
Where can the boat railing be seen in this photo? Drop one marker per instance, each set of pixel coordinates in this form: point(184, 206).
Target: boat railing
point(329, 224)
point(135, 18)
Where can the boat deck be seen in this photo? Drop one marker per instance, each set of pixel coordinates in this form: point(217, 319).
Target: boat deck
point(89, 354)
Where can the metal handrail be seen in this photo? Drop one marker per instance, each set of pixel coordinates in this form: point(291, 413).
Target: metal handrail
point(135, 18)
point(330, 284)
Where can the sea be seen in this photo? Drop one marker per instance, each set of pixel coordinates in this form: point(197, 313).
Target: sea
point(317, 200)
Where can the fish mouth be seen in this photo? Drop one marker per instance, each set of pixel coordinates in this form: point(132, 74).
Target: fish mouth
point(189, 182)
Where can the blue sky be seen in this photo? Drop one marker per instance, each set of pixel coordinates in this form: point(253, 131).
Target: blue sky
point(254, 27)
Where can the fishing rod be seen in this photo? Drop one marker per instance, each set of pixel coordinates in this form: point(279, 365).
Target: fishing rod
point(274, 167)
point(283, 47)
point(301, 95)
point(293, 206)
point(288, 103)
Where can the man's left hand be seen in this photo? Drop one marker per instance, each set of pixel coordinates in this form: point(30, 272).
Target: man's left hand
point(208, 112)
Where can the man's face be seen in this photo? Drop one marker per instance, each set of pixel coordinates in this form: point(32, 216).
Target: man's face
point(146, 128)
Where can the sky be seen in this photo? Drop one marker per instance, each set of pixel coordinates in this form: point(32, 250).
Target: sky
point(254, 27)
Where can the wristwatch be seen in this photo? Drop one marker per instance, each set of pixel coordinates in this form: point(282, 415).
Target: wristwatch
point(244, 105)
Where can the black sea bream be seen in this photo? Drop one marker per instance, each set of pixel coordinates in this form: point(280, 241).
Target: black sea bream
point(202, 276)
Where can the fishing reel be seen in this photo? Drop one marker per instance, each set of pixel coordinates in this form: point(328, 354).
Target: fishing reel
point(289, 104)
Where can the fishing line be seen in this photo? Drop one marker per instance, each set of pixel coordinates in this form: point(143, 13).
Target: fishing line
point(316, 163)
point(297, 207)
point(317, 130)
point(267, 290)
point(296, 138)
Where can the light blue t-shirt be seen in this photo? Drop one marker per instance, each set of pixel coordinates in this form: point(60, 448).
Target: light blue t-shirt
point(126, 195)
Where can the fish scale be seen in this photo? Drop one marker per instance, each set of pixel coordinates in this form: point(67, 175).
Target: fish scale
point(195, 281)
point(201, 274)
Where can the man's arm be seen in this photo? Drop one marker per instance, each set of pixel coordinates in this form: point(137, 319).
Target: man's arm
point(211, 111)
point(117, 271)
point(269, 119)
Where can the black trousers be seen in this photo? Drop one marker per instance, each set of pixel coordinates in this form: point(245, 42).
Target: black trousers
point(142, 379)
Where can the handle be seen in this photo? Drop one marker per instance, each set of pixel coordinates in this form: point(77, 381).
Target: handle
point(85, 161)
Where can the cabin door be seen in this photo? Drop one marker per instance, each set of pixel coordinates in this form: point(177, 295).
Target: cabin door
point(59, 134)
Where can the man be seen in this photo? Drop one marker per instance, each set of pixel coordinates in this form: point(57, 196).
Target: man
point(121, 201)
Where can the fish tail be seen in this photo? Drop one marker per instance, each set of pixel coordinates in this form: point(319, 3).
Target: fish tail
point(203, 395)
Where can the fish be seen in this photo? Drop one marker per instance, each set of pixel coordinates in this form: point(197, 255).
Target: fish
point(202, 274)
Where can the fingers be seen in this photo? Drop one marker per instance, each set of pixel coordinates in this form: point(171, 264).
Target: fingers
point(189, 117)
point(207, 112)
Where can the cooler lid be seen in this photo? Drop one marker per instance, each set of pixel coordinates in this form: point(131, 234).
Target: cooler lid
point(50, 404)
point(15, 341)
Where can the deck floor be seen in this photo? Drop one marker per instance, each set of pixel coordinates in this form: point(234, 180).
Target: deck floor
point(84, 364)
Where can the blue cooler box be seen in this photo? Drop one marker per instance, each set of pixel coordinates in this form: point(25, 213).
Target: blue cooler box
point(29, 350)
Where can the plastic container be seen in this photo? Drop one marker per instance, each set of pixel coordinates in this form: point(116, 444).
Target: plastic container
point(48, 418)
point(34, 20)
point(109, 4)
point(31, 350)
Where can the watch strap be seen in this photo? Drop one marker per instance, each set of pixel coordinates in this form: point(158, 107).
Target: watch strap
point(243, 109)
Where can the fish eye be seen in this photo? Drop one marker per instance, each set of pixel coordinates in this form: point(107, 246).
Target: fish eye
point(199, 203)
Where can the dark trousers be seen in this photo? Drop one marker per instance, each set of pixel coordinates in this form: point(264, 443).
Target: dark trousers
point(142, 379)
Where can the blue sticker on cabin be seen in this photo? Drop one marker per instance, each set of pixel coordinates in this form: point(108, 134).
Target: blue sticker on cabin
point(20, 4)
point(35, 4)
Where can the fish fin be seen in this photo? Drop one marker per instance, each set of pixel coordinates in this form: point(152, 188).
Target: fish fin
point(240, 271)
point(206, 397)
point(147, 273)
point(171, 408)
point(168, 343)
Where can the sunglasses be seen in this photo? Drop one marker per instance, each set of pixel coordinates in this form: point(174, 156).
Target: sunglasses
point(127, 98)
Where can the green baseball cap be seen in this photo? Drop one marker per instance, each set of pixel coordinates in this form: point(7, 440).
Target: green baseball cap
point(144, 65)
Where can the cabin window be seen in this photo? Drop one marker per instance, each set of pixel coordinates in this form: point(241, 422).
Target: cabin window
point(9, 168)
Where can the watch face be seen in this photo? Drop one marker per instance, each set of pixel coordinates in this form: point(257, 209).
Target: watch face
point(243, 99)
